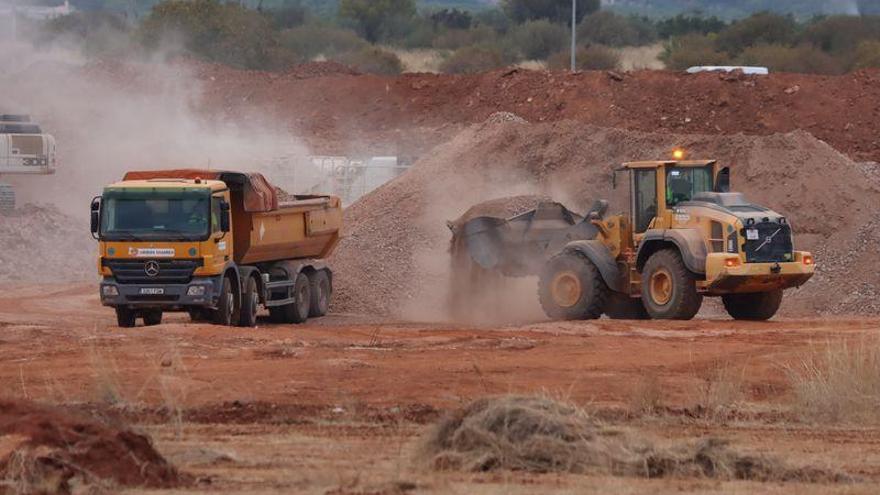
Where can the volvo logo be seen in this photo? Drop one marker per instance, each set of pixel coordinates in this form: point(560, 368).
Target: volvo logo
point(151, 268)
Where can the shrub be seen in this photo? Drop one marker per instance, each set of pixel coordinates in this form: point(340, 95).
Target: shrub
point(289, 17)
point(687, 51)
point(592, 57)
point(454, 39)
point(372, 60)
point(452, 18)
point(493, 18)
point(99, 33)
point(802, 58)
point(842, 34)
point(761, 28)
point(473, 59)
point(226, 33)
point(867, 55)
point(538, 39)
point(311, 40)
point(608, 28)
point(373, 17)
point(682, 24)
point(558, 11)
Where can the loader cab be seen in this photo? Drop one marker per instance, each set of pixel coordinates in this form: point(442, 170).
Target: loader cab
point(656, 187)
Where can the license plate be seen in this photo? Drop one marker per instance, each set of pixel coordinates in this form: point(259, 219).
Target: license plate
point(152, 291)
point(752, 235)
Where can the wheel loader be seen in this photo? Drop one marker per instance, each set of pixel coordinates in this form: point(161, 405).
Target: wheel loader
point(685, 237)
point(24, 149)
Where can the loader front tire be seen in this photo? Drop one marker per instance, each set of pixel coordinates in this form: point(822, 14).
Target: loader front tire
point(758, 306)
point(669, 289)
point(571, 288)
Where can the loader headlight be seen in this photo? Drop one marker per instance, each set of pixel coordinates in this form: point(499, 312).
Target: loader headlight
point(109, 291)
point(196, 290)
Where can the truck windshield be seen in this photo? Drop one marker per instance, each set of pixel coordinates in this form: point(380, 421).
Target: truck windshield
point(156, 214)
point(683, 183)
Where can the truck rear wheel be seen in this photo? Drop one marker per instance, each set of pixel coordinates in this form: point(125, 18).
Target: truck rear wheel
point(152, 317)
point(669, 289)
point(759, 306)
point(298, 310)
point(125, 317)
point(250, 302)
point(571, 288)
point(7, 198)
point(320, 294)
point(226, 306)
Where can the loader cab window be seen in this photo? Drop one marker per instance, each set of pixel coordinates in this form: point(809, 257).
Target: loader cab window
point(683, 183)
point(644, 198)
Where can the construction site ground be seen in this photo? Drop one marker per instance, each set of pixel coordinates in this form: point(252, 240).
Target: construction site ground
point(338, 405)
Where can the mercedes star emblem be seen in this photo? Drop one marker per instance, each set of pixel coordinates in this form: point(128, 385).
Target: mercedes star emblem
point(151, 268)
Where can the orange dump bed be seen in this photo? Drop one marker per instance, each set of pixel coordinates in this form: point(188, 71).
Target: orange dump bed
point(265, 229)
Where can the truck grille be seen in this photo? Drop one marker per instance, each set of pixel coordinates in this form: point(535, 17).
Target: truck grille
point(777, 249)
point(169, 271)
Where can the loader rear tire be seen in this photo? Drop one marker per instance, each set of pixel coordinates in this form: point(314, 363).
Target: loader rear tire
point(622, 307)
point(669, 289)
point(758, 306)
point(125, 317)
point(7, 198)
point(319, 290)
point(571, 288)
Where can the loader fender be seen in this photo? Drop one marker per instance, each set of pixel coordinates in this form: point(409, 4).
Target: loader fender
point(596, 252)
point(690, 244)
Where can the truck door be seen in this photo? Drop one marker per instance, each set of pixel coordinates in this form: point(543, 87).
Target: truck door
point(644, 187)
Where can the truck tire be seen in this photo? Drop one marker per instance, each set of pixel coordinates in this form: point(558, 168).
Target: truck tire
point(319, 289)
point(7, 198)
point(199, 315)
point(570, 288)
point(152, 317)
point(250, 303)
point(759, 306)
point(125, 317)
point(226, 306)
point(622, 307)
point(669, 289)
point(298, 311)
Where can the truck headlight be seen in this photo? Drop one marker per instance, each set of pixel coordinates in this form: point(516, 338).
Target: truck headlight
point(195, 290)
point(109, 290)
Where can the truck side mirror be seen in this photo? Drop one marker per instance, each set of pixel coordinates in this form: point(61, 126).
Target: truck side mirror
point(96, 216)
point(224, 217)
point(722, 182)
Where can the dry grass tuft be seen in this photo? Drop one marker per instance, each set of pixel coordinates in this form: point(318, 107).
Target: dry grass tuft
point(838, 382)
point(539, 435)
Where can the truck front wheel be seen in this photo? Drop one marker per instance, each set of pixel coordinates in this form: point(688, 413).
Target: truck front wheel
point(226, 306)
point(125, 317)
point(759, 306)
point(669, 289)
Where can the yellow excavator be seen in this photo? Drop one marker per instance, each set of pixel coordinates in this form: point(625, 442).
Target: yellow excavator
point(686, 237)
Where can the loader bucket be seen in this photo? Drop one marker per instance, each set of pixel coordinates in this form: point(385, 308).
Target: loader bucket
point(485, 241)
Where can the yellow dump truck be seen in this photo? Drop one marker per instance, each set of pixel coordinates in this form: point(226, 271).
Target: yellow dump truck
point(215, 244)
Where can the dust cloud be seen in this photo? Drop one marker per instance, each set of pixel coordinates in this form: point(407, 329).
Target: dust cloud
point(111, 117)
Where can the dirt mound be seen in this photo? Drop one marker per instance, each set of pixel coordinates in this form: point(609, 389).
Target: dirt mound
point(49, 450)
point(540, 435)
point(348, 108)
point(394, 259)
point(42, 244)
